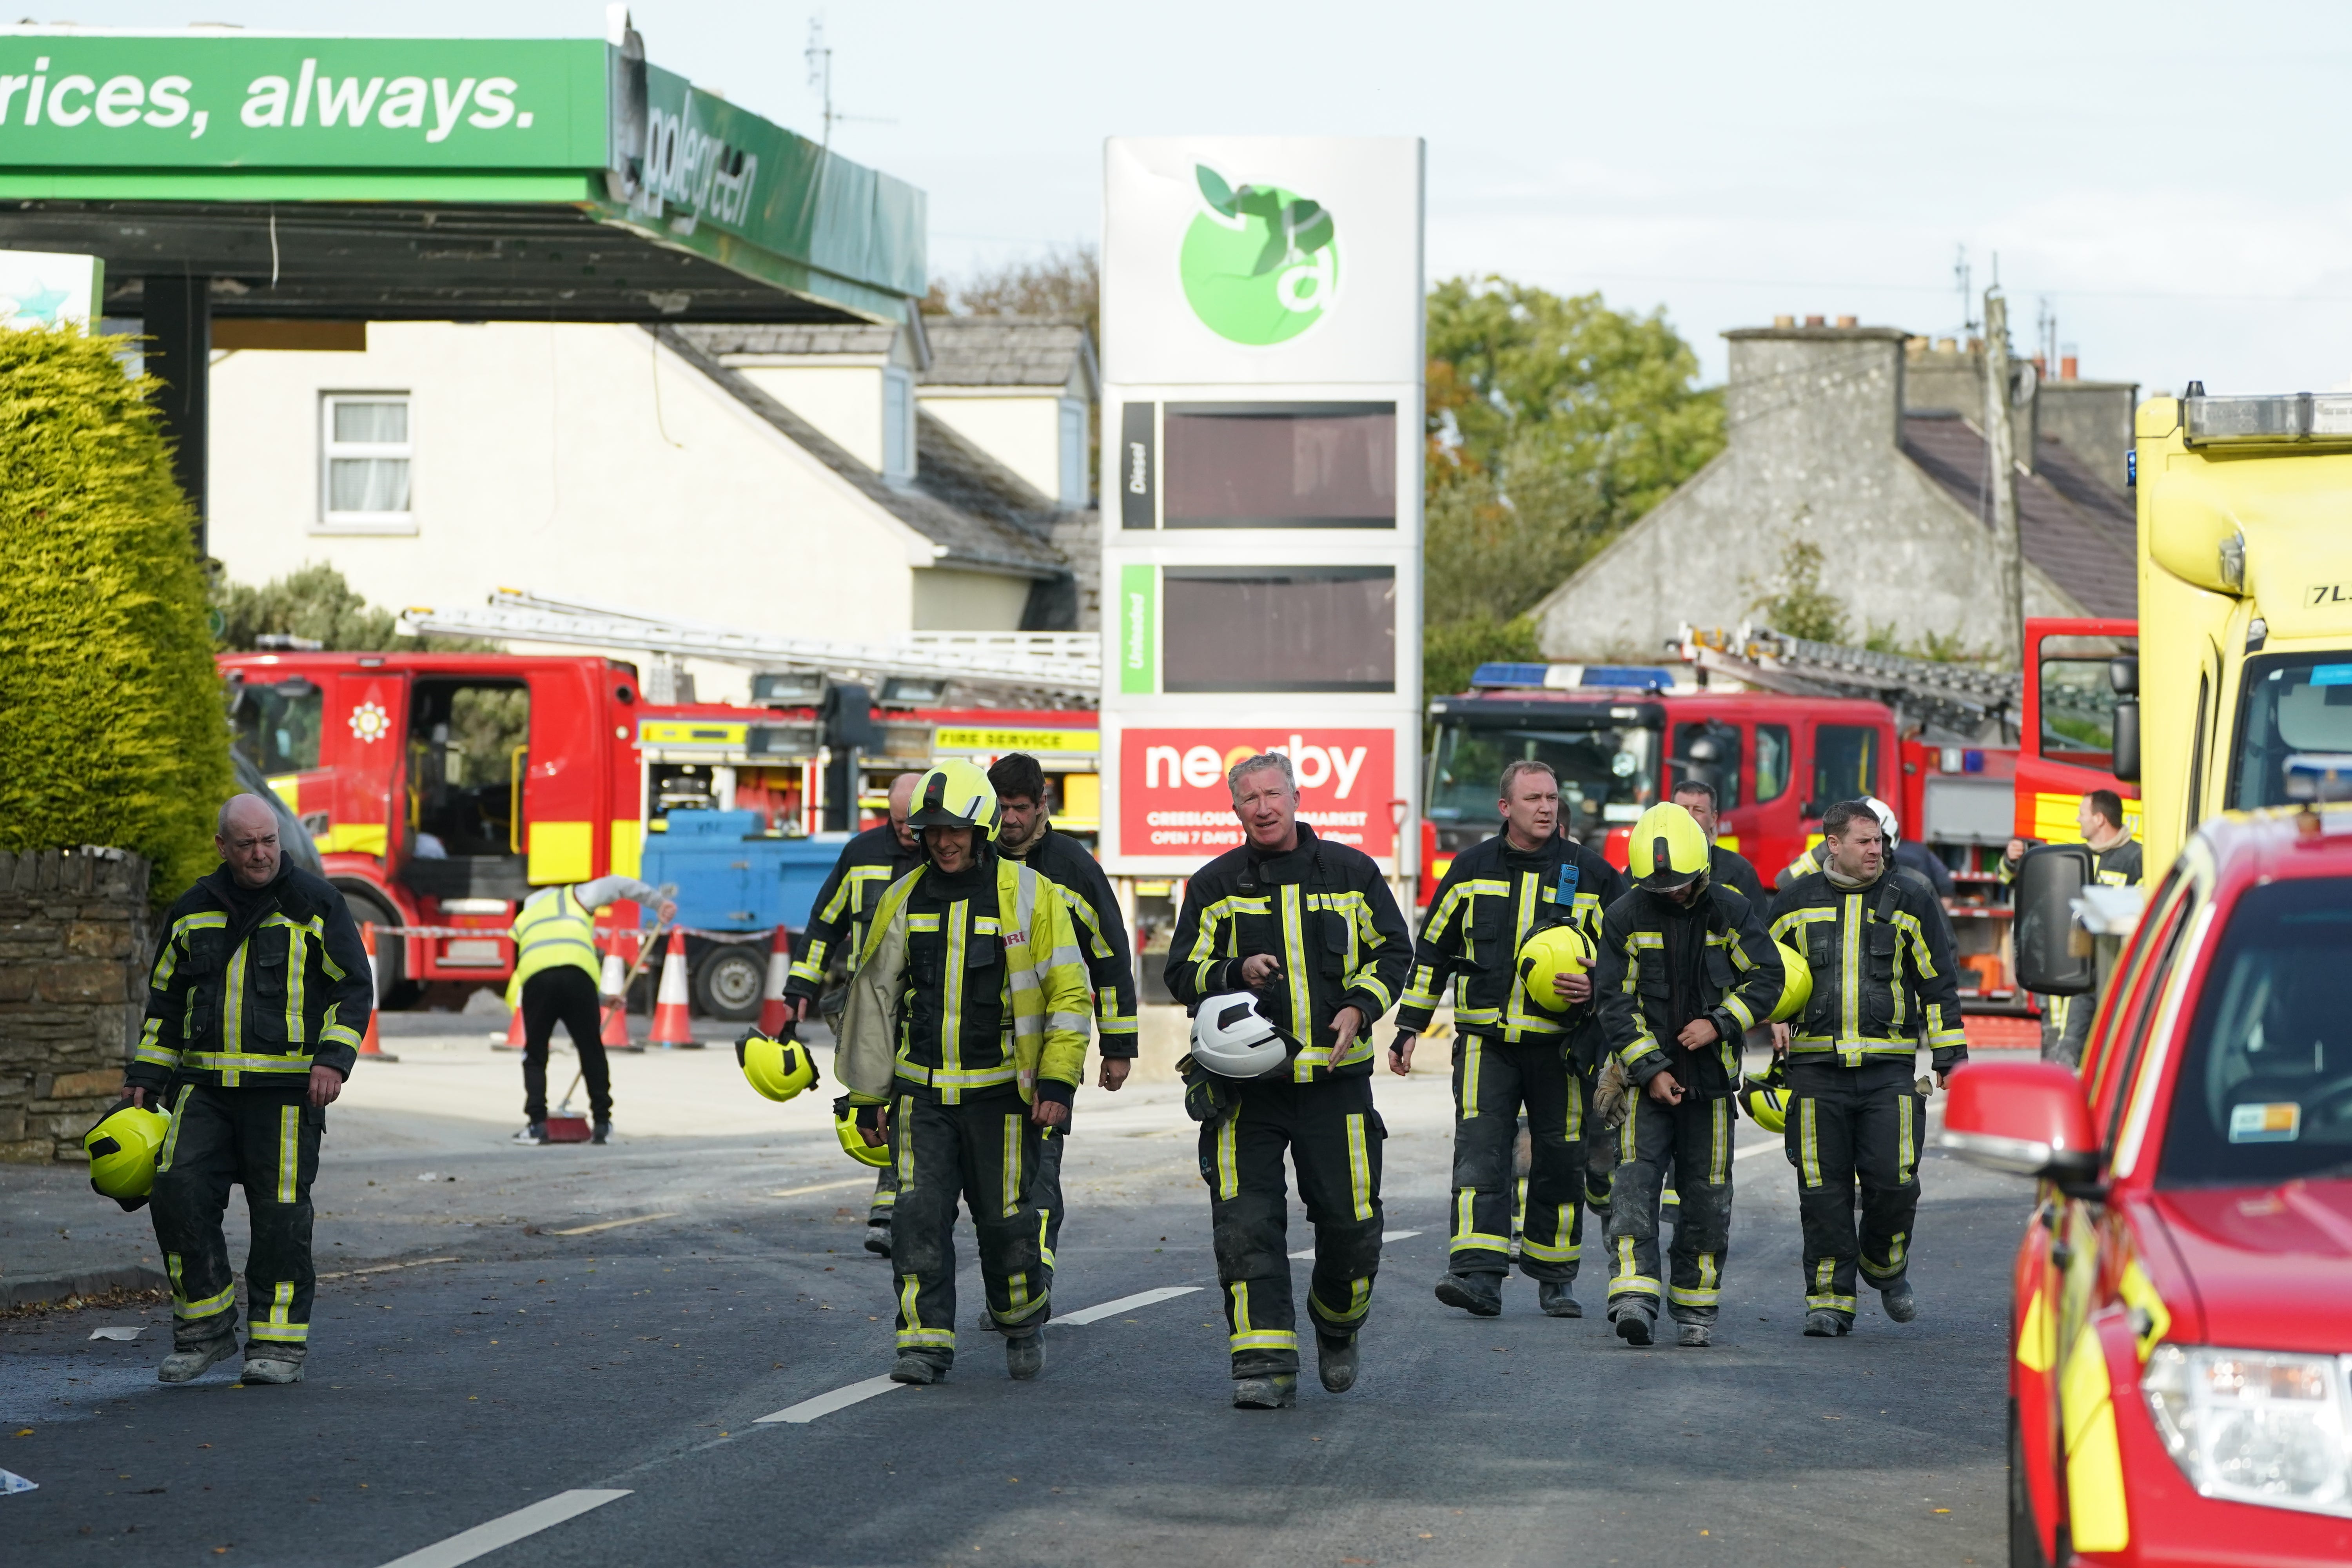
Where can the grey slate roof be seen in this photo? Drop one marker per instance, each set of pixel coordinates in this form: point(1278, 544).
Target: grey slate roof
point(955, 501)
point(778, 337)
point(1007, 350)
point(2077, 531)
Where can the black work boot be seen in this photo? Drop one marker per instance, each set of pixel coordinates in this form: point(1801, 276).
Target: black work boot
point(184, 1365)
point(1336, 1361)
point(534, 1133)
point(603, 1133)
point(912, 1368)
point(1025, 1356)
point(1900, 1303)
point(1824, 1324)
point(1557, 1299)
point(877, 1237)
point(1634, 1323)
point(1270, 1391)
point(1480, 1295)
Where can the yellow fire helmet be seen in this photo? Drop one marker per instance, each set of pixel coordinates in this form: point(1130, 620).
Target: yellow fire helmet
point(1796, 990)
point(1552, 951)
point(955, 794)
point(853, 1141)
point(1666, 849)
point(122, 1150)
point(778, 1070)
point(1765, 1098)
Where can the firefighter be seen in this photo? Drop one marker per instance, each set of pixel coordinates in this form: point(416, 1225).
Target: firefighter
point(2117, 863)
point(1726, 867)
point(258, 1000)
point(836, 930)
point(1309, 926)
point(971, 986)
point(1685, 970)
point(556, 977)
point(1028, 836)
point(1882, 978)
point(1512, 1045)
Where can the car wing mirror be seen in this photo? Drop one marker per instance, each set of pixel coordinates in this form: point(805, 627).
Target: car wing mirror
point(2054, 955)
point(2028, 1119)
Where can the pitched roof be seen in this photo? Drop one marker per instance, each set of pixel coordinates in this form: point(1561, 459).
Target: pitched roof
point(1007, 350)
point(780, 338)
point(2079, 533)
point(952, 503)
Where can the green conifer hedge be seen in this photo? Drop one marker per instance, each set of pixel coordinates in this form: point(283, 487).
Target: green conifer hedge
point(111, 725)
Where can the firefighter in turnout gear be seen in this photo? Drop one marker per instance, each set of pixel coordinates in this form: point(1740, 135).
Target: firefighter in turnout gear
point(258, 1000)
point(971, 996)
point(1310, 927)
point(1686, 970)
point(1512, 1047)
point(1883, 979)
point(836, 933)
point(1028, 836)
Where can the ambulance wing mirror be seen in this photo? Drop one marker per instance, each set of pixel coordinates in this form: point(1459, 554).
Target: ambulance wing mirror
point(2122, 674)
point(2054, 952)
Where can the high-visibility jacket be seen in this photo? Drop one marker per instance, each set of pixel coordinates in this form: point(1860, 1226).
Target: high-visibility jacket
point(1883, 969)
point(255, 1001)
point(1493, 899)
point(1101, 931)
point(1325, 914)
point(1738, 983)
point(553, 929)
point(839, 917)
point(1018, 951)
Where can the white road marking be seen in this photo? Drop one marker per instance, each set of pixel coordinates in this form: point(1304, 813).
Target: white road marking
point(1758, 1148)
point(823, 1187)
point(1391, 1235)
point(617, 1224)
point(808, 1410)
point(505, 1530)
point(1125, 1304)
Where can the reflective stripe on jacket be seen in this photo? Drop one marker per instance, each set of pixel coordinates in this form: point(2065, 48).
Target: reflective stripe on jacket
point(1041, 996)
point(1493, 899)
point(255, 1004)
point(1883, 969)
point(553, 931)
point(837, 922)
point(1739, 984)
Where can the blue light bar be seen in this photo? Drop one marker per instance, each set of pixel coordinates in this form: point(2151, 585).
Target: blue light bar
point(1508, 675)
point(1644, 678)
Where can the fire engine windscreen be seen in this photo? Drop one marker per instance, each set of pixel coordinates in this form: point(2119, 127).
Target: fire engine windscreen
point(2264, 1094)
point(277, 726)
point(1278, 628)
point(467, 752)
point(2290, 703)
point(1608, 773)
point(1281, 465)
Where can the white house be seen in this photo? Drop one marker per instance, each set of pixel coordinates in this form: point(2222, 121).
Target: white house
point(781, 478)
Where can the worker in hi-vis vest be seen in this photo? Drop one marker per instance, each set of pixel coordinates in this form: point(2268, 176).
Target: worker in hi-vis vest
point(556, 974)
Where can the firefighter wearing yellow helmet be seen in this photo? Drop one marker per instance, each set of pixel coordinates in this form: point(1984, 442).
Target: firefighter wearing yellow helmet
point(963, 1040)
point(1511, 929)
point(1685, 970)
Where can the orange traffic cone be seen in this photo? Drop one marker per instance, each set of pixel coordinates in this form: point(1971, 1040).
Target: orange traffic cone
point(670, 1024)
point(514, 1040)
point(774, 1012)
point(619, 959)
point(370, 1046)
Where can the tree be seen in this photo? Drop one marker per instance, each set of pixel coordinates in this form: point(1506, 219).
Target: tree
point(1799, 607)
point(112, 727)
point(314, 603)
point(1065, 281)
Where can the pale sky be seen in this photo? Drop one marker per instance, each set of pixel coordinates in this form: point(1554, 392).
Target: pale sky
point(2158, 172)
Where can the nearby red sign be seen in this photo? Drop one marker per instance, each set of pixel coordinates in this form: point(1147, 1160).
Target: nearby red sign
point(1172, 798)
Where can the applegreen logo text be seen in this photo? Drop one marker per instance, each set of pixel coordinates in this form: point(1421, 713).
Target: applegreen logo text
point(1260, 263)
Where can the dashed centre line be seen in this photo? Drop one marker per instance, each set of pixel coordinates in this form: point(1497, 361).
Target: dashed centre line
point(1391, 1235)
point(1125, 1304)
point(506, 1529)
point(617, 1224)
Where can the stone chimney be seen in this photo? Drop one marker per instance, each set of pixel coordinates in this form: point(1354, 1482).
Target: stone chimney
point(1832, 386)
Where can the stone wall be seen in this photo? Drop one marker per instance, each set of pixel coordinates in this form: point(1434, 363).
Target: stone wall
point(73, 961)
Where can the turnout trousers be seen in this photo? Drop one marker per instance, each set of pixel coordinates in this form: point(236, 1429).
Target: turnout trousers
point(1844, 1123)
point(986, 1153)
point(267, 1142)
point(567, 995)
point(1694, 1137)
point(1493, 1080)
point(1049, 1188)
point(1333, 1136)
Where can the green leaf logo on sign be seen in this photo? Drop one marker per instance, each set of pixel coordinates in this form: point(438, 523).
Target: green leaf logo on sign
point(1260, 264)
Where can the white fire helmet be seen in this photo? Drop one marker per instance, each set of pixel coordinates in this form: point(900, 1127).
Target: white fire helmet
point(1233, 1039)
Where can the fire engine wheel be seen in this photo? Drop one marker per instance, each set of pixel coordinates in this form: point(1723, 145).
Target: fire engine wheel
point(730, 982)
point(393, 990)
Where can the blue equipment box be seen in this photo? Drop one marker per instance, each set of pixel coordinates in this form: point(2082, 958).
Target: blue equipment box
point(731, 876)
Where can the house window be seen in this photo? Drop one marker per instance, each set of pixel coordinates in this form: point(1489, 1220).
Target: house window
point(364, 456)
point(897, 423)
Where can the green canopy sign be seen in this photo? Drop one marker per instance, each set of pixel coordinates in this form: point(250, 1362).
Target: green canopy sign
point(202, 117)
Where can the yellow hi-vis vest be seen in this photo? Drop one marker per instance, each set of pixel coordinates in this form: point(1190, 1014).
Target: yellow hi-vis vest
point(1048, 1000)
point(551, 931)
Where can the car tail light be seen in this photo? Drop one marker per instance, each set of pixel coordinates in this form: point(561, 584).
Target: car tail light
point(2257, 1426)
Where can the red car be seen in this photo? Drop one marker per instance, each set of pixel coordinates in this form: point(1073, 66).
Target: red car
point(2180, 1390)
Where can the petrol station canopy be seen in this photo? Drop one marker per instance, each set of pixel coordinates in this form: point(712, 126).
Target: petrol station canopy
point(379, 178)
